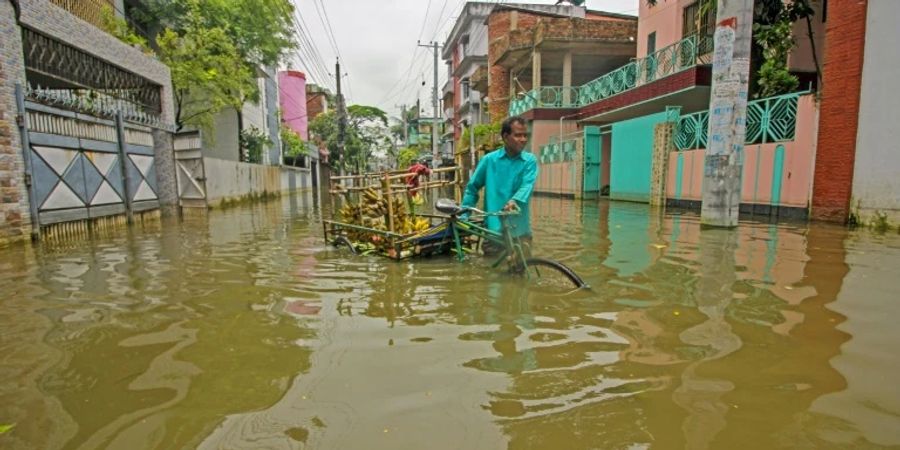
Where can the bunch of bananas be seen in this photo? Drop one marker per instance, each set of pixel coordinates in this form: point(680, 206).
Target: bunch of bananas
point(372, 212)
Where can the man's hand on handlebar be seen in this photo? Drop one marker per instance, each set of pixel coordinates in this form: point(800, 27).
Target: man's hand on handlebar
point(511, 206)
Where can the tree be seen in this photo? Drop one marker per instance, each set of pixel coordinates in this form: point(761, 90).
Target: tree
point(214, 49)
point(407, 156)
point(207, 73)
point(367, 131)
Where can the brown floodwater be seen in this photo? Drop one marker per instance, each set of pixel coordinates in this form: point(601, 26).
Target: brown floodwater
point(241, 329)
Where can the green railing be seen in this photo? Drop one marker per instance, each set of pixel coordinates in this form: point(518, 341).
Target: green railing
point(672, 59)
point(565, 150)
point(772, 119)
point(545, 97)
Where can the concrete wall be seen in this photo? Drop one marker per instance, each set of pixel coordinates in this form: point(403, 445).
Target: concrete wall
point(273, 123)
point(231, 180)
point(15, 217)
point(771, 176)
point(223, 142)
point(630, 161)
point(876, 178)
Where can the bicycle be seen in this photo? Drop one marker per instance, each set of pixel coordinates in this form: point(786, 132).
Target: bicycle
point(518, 259)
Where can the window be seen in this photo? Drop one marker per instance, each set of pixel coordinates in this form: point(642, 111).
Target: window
point(465, 90)
point(651, 43)
point(692, 22)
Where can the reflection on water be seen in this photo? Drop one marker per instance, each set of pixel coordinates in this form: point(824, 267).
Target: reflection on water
point(241, 329)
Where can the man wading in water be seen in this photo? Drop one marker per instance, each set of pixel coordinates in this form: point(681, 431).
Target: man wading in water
point(507, 176)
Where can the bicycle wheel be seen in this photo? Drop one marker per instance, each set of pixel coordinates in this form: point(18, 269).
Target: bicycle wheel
point(342, 240)
point(553, 273)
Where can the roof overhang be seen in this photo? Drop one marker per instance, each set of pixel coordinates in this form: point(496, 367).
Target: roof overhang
point(689, 89)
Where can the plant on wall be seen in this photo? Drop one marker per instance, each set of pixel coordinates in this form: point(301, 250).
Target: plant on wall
point(291, 143)
point(253, 141)
point(122, 30)
point(776, 41)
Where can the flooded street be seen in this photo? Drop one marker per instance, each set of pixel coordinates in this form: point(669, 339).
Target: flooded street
point(243, 330)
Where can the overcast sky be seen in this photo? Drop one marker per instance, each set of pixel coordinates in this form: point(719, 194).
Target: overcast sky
point(376, 40)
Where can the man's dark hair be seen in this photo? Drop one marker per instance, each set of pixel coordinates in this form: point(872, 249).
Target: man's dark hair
point(506, 127)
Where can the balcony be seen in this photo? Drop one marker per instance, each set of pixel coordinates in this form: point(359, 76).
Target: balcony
point(479, 79)
point(98, 13)
point(682, 55)
point(90, 11)
point(554, 34)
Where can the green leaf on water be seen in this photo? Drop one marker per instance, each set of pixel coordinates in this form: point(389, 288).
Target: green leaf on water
point(5, 428)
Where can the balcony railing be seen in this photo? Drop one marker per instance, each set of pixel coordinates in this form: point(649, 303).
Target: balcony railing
point(90, 11)
point(545, 97)
point(97, 13)
point(772, 119)
point(669, 60)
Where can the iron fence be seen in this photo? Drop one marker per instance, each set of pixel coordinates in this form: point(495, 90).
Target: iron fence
point(772, 119)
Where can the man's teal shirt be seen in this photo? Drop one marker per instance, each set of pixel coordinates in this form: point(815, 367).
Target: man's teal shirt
point(503, 179)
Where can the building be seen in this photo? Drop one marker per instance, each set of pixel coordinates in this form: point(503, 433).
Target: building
point(609, 130)
point(84, 121)
point(317, 103)
point(292, 98)
point(857, 166)
point(316, 100)
point(259, 117)
point(465, 53)
point(498, 55)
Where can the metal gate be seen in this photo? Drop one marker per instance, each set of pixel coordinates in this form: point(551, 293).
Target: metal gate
point(190, 170)
point(80, 166)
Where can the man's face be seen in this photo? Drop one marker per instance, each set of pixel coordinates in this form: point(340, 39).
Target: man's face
point(515, 141)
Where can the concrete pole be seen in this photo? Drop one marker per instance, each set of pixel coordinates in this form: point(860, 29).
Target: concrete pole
point(342, 117)
point(536, 72)
point(567, 79)
point(727, 114)
point(435, 154)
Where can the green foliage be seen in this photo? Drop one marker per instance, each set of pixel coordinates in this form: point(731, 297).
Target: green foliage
point(208, 73)
point(214, 49)
point(366, 131)
point(291, 142)
point(776, 41)
point(407, 157)
point(6, 428)
point(487, 137)
point(254, 142)
point(120, 28)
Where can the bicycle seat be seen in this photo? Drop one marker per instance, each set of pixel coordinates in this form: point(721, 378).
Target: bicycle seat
point(449, 207)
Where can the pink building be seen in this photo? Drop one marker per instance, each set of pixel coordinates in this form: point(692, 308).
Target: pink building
point(292, 99)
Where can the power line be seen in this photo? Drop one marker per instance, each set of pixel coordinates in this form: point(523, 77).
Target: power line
point(332, 38)
point(310, 60)
point(412, 60)
point(316, 55)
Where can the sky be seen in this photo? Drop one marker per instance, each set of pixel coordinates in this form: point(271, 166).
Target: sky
point(377, 44)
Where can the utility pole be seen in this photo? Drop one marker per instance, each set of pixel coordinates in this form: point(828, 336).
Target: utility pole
point(342, 116)
point(435, 154)
point(471, 119)
point(727, 114)
point(405, 126)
